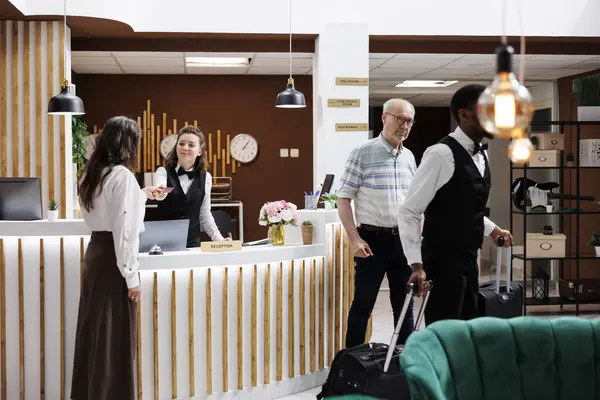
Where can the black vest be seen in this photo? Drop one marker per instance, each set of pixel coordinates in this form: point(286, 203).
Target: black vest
point(454, 218)
point(179, 205)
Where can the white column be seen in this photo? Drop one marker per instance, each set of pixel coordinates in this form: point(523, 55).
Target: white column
point(341, 51)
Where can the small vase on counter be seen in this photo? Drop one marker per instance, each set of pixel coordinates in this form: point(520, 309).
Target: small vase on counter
point(307, 232)
point(275, 215)
point(52, 210)
point(594, 240)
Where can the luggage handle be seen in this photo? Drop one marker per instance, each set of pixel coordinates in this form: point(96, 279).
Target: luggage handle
point(420, 315)
point(501, 241)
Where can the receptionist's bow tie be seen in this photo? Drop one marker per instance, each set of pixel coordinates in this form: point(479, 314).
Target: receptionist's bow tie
point(191, 174)
point(480, 147)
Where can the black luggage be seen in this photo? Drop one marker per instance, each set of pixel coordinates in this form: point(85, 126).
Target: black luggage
point(372, 369)
point(500, 299)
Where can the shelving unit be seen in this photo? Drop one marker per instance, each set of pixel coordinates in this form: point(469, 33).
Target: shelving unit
point(575, 257)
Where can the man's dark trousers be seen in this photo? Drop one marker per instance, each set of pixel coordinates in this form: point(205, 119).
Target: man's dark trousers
point(388, 258)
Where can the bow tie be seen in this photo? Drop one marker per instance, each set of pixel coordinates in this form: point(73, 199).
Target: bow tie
point(480, 147)
point(190, 174)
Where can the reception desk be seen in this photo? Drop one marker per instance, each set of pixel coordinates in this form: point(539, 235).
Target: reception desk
point(260, 323)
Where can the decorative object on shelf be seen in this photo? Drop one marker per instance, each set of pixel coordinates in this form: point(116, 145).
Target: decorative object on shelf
point(539, 194)
point(540, 285)
point(244, 148)
point(540, 245)
point(547, 230)
point(330, 200)
point(545, 159)
point(570, 159)
point(155, 250)
point(52, 210)
point(587, 90)
point(66, 102)
point(594, 240)
point(548, 140)
point(290, 97)
point(167, 144)
point(275, 215)
point(80, 134)
point(589, 152)
point(307, 232)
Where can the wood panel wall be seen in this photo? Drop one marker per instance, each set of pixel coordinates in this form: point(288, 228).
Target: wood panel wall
point(232, 104)
point(33, 143)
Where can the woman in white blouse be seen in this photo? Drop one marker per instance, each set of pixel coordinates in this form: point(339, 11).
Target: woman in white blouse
point(113, 207)
point(186, 173)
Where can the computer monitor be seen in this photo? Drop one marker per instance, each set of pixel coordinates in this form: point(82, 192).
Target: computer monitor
point(20, 199)
point(170, 235)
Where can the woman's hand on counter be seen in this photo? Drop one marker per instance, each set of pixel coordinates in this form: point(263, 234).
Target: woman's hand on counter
point(134, 294)
point(228, 238)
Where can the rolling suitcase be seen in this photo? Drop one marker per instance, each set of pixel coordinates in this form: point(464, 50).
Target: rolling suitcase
point(372, 369)
point(501, 299)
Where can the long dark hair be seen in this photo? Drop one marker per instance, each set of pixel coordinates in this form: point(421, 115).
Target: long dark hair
point(116, 145)
point(201, 162)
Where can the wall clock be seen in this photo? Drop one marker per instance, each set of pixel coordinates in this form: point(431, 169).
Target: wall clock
point(244, 148)
point(167, 144)
point(90, 145)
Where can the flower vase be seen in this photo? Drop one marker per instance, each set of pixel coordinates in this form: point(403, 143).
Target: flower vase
point(276, 235)
point(329, 205)
point(597, 251)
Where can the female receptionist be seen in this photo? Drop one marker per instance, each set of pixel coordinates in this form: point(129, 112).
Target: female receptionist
point(186, 173)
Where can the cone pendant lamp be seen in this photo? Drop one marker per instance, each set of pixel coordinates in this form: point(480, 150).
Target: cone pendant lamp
point(65, 103)
point(290, 97)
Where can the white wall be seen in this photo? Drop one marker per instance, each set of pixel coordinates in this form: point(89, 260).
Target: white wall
point(384, 17)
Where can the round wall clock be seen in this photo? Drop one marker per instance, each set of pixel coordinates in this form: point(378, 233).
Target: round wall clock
point(244, 148)
point(167, 144)
point(90, 145)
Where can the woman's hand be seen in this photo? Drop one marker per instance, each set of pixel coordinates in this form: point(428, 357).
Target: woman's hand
point(228, 238)
point(153, 192)
point(134, 293)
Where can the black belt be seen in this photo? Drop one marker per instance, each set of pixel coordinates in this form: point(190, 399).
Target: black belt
point(378, 229)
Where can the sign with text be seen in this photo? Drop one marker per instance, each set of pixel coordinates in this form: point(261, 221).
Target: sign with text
point(352, 81)
point(345, 127)
point(221, 246)
point(343, 102)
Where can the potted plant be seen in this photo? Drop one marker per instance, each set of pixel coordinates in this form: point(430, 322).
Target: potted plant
point(534, 141)
point(570, 160)
point(80, 132)
point(52, 210)
point(595, 241)
point(307, 232)
point(275, 215)
point(330, 200)
point(587, 90)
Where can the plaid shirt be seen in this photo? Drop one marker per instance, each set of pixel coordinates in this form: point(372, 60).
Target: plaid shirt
point(377, 180)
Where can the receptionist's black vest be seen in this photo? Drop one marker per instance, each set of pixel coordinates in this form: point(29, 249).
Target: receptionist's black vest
point(178, 205)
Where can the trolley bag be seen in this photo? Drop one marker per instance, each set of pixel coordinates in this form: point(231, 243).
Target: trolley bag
point(500, 299)
point(372, 369)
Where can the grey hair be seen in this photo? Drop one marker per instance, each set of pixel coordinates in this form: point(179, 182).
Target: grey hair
point(388, 104)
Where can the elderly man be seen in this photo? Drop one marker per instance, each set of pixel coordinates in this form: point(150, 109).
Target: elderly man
point(376, 178)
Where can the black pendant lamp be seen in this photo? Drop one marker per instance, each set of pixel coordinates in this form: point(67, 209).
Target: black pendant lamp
point(290, 97)
point(65, 103)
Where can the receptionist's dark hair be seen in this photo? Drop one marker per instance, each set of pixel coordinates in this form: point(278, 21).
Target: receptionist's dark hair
point(201, 163)
point(117, 145)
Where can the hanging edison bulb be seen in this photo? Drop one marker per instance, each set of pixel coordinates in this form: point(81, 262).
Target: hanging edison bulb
point(505, 105)
point(520, 148)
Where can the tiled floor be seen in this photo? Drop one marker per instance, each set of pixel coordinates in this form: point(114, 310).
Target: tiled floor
point(383, 325)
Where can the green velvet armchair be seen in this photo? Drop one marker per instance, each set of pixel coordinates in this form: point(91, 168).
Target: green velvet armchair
point(523, 358)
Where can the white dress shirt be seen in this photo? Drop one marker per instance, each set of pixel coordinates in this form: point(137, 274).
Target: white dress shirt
point(120, 209)
point(436, 169)
point(207, 221)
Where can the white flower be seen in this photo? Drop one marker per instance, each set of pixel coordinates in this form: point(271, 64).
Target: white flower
point(292, 206)
point(262, 222)
point(287, 215)
point(275, 219)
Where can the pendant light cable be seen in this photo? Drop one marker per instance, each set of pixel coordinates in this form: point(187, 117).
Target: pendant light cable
point(65, 40)
point(522, 44)
point(503, 39)
point(290, 38)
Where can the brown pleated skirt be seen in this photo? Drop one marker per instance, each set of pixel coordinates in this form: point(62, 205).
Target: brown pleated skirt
point(105, 346)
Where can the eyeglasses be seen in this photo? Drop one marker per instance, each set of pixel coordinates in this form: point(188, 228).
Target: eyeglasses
point(400, 120)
